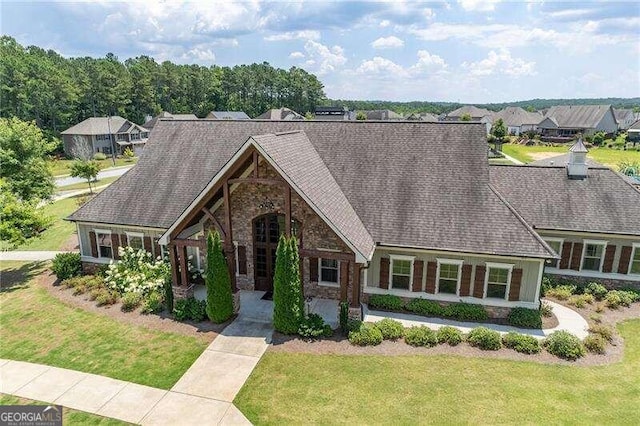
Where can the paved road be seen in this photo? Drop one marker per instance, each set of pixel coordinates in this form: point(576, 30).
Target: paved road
point(111, 172)
point(30, 256)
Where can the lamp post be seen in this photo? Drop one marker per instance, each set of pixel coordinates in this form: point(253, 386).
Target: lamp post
point(113, 148)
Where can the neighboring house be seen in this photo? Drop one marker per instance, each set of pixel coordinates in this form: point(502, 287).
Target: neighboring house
point(228, 115)
point(382, 114)
point(477, 114)
point(425, 116)
point(624, 117)
point(334, 113)
point(370, 219)
point(518, 120)
point(633, 133)
point(151, 122)
point(107, 135)
point(583, 212)
point(280, 114)
point(564, 122)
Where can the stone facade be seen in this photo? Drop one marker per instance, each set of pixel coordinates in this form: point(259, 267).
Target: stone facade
point(610, 283)
point(90, 268)
point(183, 292)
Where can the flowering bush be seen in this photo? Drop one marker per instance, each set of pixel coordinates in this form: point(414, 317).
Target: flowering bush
point(137, 272)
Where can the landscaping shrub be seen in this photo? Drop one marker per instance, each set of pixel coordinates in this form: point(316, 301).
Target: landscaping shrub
point(130, 301)
point(425, 307)
point(83, 284)
point(600, 307)
point(521, 343)
point(99, 156)
point(595, 343)
point(420, 336)
point(168, 294)
point(137, 272)
point(104, 296)
point(313, 326)
point(366, 335)
point(190, 309)
point(152, 303)
point(485, 339)
point(546, 310)
point(353, 325)
point(617, 298)
point(79, 289)
point(525, 318)
point(597, 318)
point(219, 297)
point(547, 284)
point(288, 305)
point(450, 335)
point(606, 332)
point(564, 345)
point(561, 292)
point(66, 265)
point(390, 329)
point(597, 290)
point(385, 301)
point(466, 312)
point(581, 300)
point(344, 317)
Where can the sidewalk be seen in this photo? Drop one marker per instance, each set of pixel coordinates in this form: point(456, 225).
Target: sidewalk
point(30, 256)
point(568, 320)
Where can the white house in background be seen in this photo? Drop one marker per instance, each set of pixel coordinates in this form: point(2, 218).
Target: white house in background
point(624, 117)
point(477, 114)
point(518, 120)
point(566, 121)
point(107, 135)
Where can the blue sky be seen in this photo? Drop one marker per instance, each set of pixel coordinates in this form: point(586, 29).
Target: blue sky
point(466, 51)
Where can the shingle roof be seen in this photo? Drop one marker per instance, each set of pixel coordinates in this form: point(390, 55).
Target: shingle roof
point(473, 111)
point(382, 114)
point(516, 116)
point(635, 126)
point(167, 115)
point(561, 160)
point(280, 114)
point(411, 183)
point(578, 116)
point(547, 199)
point(228, 115)
point(101, 126)
point(622, 114)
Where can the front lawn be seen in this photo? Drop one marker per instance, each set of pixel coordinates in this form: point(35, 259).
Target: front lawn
point(61, 167)
point(607, 156)
point(303, 389)
point(36, 327)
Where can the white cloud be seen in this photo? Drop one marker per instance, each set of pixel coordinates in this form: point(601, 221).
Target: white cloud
point(387, 43)
point(296, 55)
point(379, 65)
point(428, 64)
point(500, 62)
point(385, 23)
point(322, 58)
point(294, 35)
point(478, 5)
point(199, 55)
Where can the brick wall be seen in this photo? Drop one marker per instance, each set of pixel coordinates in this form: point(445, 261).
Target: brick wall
point(609, 283)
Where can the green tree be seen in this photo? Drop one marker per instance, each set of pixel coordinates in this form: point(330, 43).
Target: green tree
point(21, 220)
point(295, 284)
point(23, 148)
point(499, 131)
point(219, 297)
point(361, 116)
point(288, 305)
point(85, 169)
point(465, 117)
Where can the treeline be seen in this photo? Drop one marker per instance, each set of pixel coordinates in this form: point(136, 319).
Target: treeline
point(445, 107)
point(58, 92)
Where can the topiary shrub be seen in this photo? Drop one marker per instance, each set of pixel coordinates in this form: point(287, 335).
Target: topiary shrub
point(152, 303)
point(596, 289)
point(581, 300)
point(288, 305)
point(595, 343)
point(425, 307)
point(450, 335)
point(366, 335)
point(561, 292)
point(385, 301)
point(344, 317)
point(420, 336)
point(313, 326)
point(466, 312)
point(219, 297)
point(606, 332)
point(564, 345)
point(521, 343)
point(485, 339)
point(525, 318)
point(130, 301)
point(390, 329)
point(99, 156)
point(66, 265)
point(190, 309)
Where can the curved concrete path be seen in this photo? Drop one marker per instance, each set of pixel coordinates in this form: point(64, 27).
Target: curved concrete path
point(568, 320)
point(31, 256)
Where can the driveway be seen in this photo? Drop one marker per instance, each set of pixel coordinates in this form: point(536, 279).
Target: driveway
point(106, 173)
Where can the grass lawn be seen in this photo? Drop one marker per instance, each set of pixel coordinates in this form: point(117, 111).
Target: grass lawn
point(69, 417)
point(606, 156)
point(309, 389)
point(85, 185)
point(36, 327)
point(61, 167)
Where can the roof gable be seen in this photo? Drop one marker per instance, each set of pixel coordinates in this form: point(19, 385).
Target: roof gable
point(578, 116)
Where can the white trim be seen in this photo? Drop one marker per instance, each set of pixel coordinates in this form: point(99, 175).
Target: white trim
point(587, 234)
point(456, 262)
point(135, 235)
point(385, 249)
point(328, 283)
point(634, 247)
point(539, 285)
point(91, 259)
point(103, 232)
point(555, 240)
point(394, 257)
point(116, 225)
point(584, 251)
point(593, 274)
point(79, 239)
point(506, 266)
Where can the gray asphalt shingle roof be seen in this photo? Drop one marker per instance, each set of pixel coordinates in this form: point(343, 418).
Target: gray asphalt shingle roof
point(473, 111)
point(280, 114)
point(577, 116)
point(102, 126)
point(228, 115)
point(516, 116)
point(547, 199)
point(411, 183)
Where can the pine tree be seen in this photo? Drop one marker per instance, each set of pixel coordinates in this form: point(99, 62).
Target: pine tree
point(281, 303)
point(219, 297)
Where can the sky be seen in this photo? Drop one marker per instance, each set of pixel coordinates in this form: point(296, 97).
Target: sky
point(466, 51)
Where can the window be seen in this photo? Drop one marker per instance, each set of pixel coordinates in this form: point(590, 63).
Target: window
point(135, 136)
point(329, 271)
point(103, 239)
point(401, 272)
point(144, 135)
point(592, 255)
point(634, 268)
point(498, 279)
point(448, 276)
point(103, 137)
point(135, 240)
point(121, 137)
point(107, 150)
point(556, 245)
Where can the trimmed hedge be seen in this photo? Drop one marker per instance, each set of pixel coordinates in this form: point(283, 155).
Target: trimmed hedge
point(450, 335)
point(466, 312)
point(190, 309)
point(596, 289)
point(564, 345)
point(525, 318)
point(66, 265)
point(385, 301)
point(425, 307)
point(390, 329)
point(313, 326)
point(366, 335)
point(521, 343)
point(420, 336)
point(485, 339)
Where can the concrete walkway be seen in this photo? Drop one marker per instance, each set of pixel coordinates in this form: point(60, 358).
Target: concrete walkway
point(105, 173)
point(68, 194)
point(31, 256)
point(568, 320)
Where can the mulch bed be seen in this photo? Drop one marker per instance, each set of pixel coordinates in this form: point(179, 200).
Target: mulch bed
point(206, 330)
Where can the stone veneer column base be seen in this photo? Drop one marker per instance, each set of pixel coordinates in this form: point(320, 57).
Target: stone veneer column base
point(236, 302)
point(183, 292)
point(354, 313)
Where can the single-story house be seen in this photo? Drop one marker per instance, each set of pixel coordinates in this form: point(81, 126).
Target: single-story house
point(379, 214)
point(107, 135)
point(280, 114)
point(564, 122)
point(633, 133)
point(477, 114)
point(151, 121)
point(382, 114)
point(624, 117)
point(228, 115)
point(334, 113)
point(518, 120)
point(425, 116)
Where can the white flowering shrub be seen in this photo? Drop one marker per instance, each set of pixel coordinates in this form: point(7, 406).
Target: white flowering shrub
point(137, 272)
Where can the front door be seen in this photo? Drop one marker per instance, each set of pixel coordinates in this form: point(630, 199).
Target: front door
point(266, 234)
